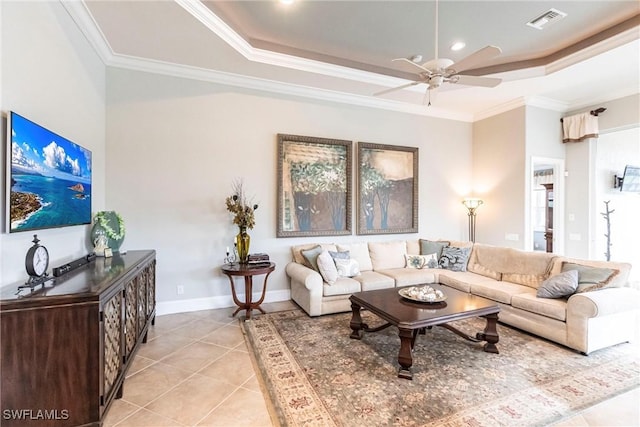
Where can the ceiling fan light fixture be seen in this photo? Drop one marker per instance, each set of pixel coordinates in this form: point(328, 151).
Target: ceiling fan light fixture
point(458, 46)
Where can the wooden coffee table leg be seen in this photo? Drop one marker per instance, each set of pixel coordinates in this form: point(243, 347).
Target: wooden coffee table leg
point(490, 334)
point(405, 358)
point(356, 322)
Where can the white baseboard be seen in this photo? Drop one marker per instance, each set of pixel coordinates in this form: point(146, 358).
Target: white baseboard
point(224, 301)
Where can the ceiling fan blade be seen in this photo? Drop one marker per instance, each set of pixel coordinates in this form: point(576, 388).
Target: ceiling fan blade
point(426, 70)
point(476, 81)
point(396, 88)
point(476, 58)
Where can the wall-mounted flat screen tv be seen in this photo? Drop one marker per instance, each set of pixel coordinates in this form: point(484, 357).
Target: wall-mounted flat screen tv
point(48, 178)
point(631, 179)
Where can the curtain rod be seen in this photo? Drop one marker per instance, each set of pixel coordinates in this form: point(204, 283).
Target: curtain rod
point(595, 112)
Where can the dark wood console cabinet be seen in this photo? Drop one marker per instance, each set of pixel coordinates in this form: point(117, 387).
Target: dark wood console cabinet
point(65, 349)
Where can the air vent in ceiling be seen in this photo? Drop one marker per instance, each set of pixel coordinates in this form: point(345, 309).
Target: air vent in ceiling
point(550, 16)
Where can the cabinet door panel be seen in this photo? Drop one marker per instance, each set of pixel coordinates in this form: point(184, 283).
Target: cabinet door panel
point(112, 342)
point(130, 316)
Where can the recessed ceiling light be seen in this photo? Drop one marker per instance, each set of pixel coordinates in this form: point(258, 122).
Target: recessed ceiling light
point(458, 46)
point(286, 1)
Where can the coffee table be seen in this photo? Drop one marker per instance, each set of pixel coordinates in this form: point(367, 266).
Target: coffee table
point(412, 317)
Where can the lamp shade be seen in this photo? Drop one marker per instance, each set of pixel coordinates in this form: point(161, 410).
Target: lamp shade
point(471, 203)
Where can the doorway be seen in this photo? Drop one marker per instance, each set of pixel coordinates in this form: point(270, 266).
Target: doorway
point(545, 231)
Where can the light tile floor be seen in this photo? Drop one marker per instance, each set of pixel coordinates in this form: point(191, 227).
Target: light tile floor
point(195, 370)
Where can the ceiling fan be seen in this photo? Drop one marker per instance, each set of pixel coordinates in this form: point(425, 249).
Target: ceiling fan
point(442, 70)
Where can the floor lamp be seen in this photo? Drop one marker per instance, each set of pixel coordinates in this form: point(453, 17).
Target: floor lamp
point(472, 205)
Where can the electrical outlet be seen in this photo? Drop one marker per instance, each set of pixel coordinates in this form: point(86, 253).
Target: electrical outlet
point(512, 236)
point(180, 289)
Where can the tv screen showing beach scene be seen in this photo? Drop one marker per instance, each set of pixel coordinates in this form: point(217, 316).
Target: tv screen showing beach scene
point(49, 178)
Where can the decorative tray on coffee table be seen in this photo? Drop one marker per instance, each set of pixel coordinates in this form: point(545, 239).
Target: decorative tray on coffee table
point(423, 293)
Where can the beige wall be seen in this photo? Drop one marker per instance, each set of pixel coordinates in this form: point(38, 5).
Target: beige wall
point(499, 177)
point(51, 75)
point(582, 205)
point(174, 147)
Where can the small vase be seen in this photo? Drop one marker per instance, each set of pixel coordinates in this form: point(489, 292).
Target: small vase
point(242, 242)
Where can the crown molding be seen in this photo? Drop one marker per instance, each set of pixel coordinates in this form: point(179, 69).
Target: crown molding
point(546, 103)
point(265, 85)
point(79, 13)
point(210, 20)
point(595, 49)
point(531, 101)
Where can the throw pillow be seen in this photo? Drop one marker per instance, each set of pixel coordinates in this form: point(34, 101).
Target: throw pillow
point(327, 267)
point(340, 255)
point(590, 278)
point(422, 261)
point(429, 247)
point(454, 258)
point(560, 285)
point(347, 267)
point(311, 255)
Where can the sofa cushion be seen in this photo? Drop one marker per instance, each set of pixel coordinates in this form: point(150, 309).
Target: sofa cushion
point(410, 276)
point(528, 301)
point(359, 252)
point(617, 281)
point(413, 247)
point(461, 280)
point(498, 290)
point(590, 278)
point(526, 267)
point(327, 267)
point(342, 286)
point(430, 246)
point(296, 251)
point(560, 285)
point(385, 255)
point(372, 280)
point(486, 260)
point(454, 258)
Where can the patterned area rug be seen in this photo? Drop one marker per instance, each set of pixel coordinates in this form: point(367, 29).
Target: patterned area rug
point(317, 376)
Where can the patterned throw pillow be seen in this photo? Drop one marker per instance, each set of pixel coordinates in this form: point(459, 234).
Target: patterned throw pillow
point(454, 258)
point(560, 285)
point(347, 267)
point(327, 268)
point(340, 255)
point(422, 261)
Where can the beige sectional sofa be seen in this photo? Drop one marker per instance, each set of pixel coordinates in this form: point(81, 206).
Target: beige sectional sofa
point(585, 321)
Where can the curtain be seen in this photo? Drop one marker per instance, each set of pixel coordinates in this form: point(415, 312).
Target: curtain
point(544, 176)
point(579, 127)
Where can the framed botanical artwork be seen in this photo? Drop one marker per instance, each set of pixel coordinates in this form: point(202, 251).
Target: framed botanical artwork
point(387, 199)
point(314, 186)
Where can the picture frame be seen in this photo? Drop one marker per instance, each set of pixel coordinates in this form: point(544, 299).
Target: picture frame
point(387, 194)
point(314, 186)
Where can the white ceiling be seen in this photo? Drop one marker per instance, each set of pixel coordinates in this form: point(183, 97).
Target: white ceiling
point(342, 50)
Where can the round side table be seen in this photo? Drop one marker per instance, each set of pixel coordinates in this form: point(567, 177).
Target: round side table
point(248, 271)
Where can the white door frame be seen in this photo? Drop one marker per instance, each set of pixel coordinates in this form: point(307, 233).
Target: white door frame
point(558, 202)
